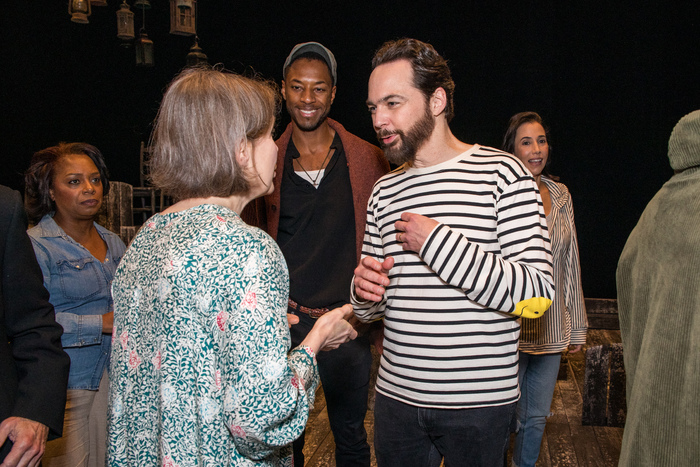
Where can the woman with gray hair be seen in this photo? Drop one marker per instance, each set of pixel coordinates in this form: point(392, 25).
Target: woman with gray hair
point(201, 368)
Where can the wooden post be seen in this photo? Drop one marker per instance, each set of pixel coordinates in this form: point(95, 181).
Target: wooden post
point(604, 387)
point(118, 207)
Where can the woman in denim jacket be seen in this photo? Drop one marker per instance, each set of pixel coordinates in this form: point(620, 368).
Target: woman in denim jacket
point(65, 185)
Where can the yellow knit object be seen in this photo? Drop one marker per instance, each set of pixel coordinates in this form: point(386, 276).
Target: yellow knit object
point(532, 307)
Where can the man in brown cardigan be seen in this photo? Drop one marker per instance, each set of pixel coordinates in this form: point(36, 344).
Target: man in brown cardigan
point(317, 215)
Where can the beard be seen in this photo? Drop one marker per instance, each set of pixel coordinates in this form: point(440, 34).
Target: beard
point(403, 149)
point(308, 125)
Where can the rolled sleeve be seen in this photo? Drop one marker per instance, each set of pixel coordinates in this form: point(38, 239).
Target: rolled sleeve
point(80, 330)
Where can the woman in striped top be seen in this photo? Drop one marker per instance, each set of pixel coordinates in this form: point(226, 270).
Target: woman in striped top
point(543, 340)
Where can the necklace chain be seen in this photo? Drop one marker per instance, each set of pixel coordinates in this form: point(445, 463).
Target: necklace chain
point(315, 181)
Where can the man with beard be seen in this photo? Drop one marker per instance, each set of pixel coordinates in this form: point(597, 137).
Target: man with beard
point(456, 250)
point(317, 215)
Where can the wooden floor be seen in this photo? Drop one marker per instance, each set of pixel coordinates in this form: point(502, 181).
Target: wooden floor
point(566, 442)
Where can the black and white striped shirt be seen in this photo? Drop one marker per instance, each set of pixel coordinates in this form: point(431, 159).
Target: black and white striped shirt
point(450, 341)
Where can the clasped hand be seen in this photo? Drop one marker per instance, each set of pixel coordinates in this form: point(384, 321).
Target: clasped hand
point(331, 330)
point(412, 230)
point(29, 441)
point(371, 276)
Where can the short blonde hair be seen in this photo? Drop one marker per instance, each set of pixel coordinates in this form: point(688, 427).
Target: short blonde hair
point(206, 116)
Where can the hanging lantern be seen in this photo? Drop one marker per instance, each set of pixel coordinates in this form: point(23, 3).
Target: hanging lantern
point(125, 22)
point(196, 57)
point(142, 4)
point(182, 17)
point(79, 11)
point(144, 50)
point(98, 2)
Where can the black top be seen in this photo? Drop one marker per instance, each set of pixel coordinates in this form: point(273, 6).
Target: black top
point(317, 231)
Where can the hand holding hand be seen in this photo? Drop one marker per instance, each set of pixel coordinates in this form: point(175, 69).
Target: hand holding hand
point(371, 278)
point(28, 438)
point(331, 330)
point(413, 230)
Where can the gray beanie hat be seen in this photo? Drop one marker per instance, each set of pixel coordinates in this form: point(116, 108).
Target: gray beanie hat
point(684, 144)
point(317, 48)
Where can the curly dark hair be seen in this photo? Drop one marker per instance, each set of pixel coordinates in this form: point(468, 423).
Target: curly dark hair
point(430, 70)
point(38, 179)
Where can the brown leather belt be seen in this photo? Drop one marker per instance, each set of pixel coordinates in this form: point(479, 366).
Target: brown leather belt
point(313, 312)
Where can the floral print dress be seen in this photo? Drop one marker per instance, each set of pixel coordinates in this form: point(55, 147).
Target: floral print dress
point(201, 373)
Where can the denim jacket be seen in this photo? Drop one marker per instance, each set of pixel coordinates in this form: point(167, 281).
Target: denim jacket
point(80, 288)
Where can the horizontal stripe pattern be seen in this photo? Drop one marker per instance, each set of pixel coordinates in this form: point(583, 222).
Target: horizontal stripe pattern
point(449, 340)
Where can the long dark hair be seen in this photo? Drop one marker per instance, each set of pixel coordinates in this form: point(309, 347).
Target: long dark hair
point(515, 122)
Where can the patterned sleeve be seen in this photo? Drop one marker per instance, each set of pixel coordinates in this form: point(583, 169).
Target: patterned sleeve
point(201, 372)
point(573, 290)
point(268, 390)
point(516, 281)
point(367, 311)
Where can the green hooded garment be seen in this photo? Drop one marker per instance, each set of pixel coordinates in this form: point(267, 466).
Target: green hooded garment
point(658, 287)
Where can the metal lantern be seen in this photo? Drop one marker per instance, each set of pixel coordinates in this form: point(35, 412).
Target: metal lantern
point(98, 2)
point(125, 22)
point(183, 17)
point(142, 4)
point(79, 11)
point(196, 57)
point(144, 50)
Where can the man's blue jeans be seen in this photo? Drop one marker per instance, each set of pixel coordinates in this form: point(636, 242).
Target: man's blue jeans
point(537, 377)
point(407, 436)
point(345, 379)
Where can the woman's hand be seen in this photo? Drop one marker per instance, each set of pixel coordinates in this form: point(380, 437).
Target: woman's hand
point(331, 330)
point(575, 348)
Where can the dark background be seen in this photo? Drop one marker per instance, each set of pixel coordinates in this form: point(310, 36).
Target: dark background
point(610, 80)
